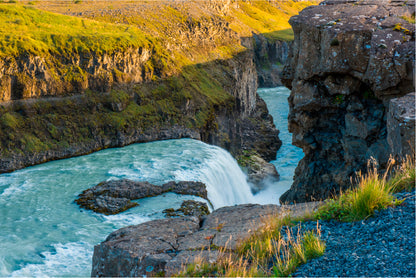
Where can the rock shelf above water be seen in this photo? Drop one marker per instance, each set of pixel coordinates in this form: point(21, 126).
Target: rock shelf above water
point(163, 247)
point(114, 196)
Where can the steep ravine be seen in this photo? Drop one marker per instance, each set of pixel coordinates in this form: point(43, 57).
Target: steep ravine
point(240, 122)
point(349, 67)
point(61, 105)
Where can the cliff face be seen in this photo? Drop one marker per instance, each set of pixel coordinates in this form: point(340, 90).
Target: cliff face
point(88, 77)
point(79, 124)
point(32, 76)
point(348, 60)
point(270, 57)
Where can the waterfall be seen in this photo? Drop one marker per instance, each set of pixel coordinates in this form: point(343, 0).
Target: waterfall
point(226, 183)
point(39, 200)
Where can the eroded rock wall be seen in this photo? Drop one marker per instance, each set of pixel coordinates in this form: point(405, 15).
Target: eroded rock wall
point(270, 57)
point(30, 76)
point(348, 59)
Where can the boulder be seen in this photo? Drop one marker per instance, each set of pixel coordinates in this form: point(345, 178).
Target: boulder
point(259, 171)
point(188, 208)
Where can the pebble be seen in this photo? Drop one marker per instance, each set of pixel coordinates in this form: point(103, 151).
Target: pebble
point(381, 246)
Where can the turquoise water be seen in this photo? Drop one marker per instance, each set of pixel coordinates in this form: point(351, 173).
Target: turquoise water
point(288, 156)
point(43, 233)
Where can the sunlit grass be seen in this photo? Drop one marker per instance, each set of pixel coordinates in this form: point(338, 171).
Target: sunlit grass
point(373, 192)
point(25, 29)
point(271, 251)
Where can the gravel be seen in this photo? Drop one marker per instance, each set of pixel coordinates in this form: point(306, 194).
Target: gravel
point(382, 245)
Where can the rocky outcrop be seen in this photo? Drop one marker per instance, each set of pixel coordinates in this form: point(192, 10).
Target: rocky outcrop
point(401, 126)
point(114, 196)
point(270, 55)
point(259, 171)
point(30, 76)
point(188, 208)
point(348, 59)
point(164, 247)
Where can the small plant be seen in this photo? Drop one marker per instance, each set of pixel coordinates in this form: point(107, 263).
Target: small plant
point(400, 28)
point(373, 192)
point(403, 178)
point(409, 19)
point(339, 99)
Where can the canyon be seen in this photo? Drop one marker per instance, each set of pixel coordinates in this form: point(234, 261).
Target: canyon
point(192, 71)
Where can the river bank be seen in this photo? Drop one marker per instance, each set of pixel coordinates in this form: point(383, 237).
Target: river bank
point(45, 194)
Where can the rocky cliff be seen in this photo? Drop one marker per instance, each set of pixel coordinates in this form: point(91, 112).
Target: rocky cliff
point(191, 78)
point(270, 56)
point(348, 61)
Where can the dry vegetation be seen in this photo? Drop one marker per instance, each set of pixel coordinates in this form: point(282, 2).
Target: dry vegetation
point(275, 250)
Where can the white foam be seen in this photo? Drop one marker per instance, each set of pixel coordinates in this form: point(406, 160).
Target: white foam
point(69, 259)
point(16, 188)
point(226, 183)
point(126, 219)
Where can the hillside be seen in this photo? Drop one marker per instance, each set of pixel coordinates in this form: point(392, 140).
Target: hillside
point(82, 76)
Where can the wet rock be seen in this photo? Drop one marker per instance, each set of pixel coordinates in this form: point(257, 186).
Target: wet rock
point(107, 205)
point(114, 196)
point(186, 188)
point(188, 208)
point(259, 171)
point(347, 61)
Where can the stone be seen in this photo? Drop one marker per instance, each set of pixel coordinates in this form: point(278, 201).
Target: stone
point(346, 63)
point(259, 171)
point(114, 196)
point(142, 249)
point(401, 126)
point(188, 208)
point(165, 247)
point(186, 188)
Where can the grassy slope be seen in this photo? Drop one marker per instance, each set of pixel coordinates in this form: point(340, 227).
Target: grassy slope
point(40, 32)
point(190, 67)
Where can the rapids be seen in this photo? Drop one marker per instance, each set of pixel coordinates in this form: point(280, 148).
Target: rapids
point(44, 233)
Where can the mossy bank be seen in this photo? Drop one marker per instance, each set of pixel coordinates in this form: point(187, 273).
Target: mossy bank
point(79, 77)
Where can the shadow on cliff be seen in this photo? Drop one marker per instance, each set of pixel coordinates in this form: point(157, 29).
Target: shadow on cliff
point(204, 101)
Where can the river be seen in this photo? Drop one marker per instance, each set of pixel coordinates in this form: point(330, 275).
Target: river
point(44, 233)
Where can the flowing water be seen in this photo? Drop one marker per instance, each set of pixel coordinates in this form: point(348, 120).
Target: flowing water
point(43, 233)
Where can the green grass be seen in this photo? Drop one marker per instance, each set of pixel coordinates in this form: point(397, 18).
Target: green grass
point(267, 18)
point(265, 253)
point(39, 32)
point(410, 19)
point(373, 192)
